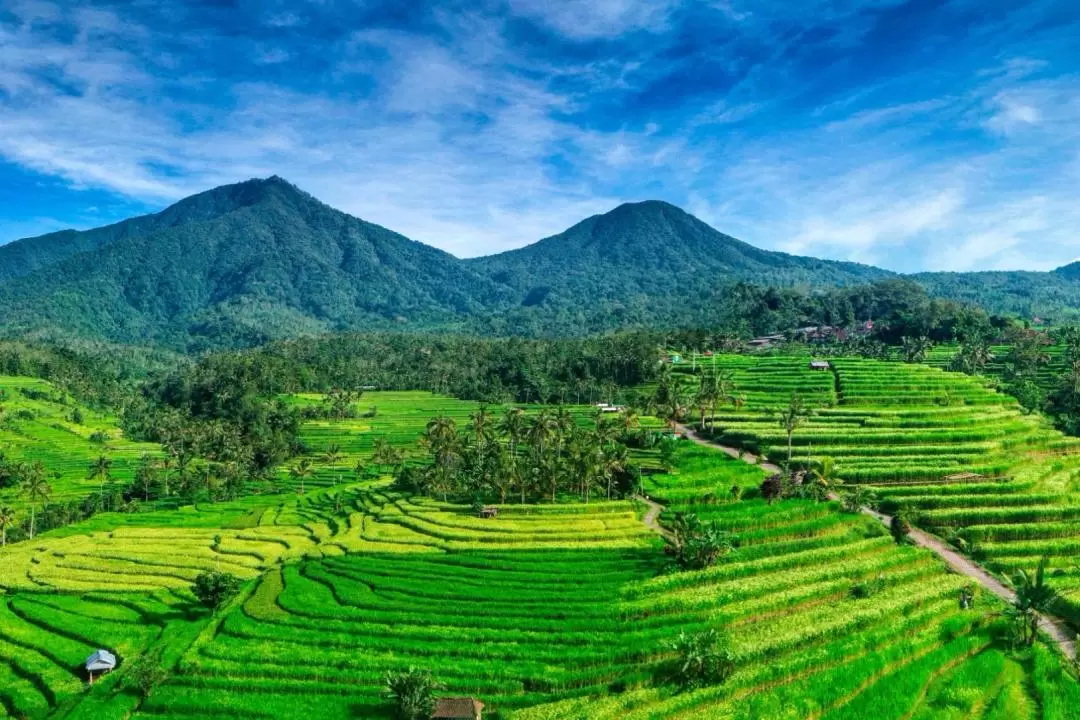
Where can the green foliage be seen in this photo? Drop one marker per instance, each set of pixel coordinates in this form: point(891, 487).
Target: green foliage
point(147, 673)
point(868, 588)
point(413, 693)
point(215, 588)
point(695, 545)
point(702, 659)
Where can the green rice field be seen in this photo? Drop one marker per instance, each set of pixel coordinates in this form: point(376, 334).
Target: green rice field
point(568, 610)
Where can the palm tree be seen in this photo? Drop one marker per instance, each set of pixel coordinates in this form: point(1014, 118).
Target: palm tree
point(791, 418)
point(166, 463)
point(100, 470)
point(512, 426)
point(36, 490)
point(1033, 598)
point(542, 431)
point(915, 348)
point(301, 472)
point(614, 461)
point(483, 429)
point(7, 520)
point(442, 439)
point(825, 475)
point(332, 456)
point(629, 419)
point(857, 498)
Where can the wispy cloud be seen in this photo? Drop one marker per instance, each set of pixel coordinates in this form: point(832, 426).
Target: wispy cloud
point(817, 128)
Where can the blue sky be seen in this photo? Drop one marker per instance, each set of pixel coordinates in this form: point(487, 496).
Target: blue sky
point(912, 135)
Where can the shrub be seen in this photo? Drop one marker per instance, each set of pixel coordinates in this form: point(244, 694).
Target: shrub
point(216, 588)
point(868, 588)
point(147, 673)
point(413, 693)
point(704, 658)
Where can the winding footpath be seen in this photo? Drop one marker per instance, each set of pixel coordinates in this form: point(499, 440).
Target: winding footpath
point(1055, 627)
point(652, 515)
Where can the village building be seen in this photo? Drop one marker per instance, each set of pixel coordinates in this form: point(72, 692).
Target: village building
point(458, 708)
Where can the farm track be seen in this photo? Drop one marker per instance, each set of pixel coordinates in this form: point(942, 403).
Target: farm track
point(1055, 627)
point(652, 515)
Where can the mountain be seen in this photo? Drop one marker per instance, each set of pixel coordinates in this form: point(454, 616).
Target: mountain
point(261, 260)
point(238, 264)
point(651, 248)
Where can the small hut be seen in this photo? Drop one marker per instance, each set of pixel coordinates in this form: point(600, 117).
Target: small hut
point(488, 511)
point(820, 365)
point(458, 708)
point(102, 661)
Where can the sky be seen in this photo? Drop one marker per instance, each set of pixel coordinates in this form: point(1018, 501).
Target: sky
point(912, 135)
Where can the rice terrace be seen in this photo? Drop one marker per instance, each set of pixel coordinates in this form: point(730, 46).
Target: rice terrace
point(539, 360)
point(762, 592)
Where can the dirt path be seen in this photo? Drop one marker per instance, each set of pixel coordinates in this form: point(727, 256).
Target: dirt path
point(1053, 626)
point(652, 516)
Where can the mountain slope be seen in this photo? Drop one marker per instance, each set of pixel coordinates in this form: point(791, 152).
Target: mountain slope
point(261, 260)
point(654, 247)
point(243, 264)
point(644, 263)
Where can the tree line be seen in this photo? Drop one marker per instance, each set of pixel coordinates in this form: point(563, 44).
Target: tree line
point(531, 458)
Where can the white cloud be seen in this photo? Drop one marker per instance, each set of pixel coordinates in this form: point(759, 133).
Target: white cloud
point(465, 141)
point(588, 19)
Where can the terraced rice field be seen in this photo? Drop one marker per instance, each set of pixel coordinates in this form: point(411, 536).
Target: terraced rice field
point(904, 429)
point(41, 429)
point(1047, 376)
point(545, 612)
point(887, 422)
point(807, 648)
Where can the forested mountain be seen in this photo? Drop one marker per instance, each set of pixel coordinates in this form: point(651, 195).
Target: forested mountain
point(238, 265)
point(1053, 296)
point(261, 260)
point(652, 248)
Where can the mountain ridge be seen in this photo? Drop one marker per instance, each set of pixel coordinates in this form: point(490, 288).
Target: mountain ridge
point(262, 260)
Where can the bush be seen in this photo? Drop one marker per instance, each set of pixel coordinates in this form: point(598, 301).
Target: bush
point(100, 437)
point(868, 588)
point(704, 658)
point(147, 673)
point(413, 693)
point(216, 588)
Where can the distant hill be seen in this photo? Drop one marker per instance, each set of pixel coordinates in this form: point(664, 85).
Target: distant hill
point(262, 260)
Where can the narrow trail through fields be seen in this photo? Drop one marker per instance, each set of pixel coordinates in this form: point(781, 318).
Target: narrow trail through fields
point(1053, 626)
point(652, 515)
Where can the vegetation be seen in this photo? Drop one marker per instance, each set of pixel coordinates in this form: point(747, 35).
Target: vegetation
point(362, 556)
point(413, 693)
point(215, 588)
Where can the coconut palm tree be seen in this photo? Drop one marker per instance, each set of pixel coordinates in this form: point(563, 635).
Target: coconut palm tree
point(36, 489)
point(791, 418)
point(1033, 598)
point(482, 428)
point(7, 521)
point(101, 470)
point(332, 456)
point(301, 472)
point(512, 426)
point(825, 475)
